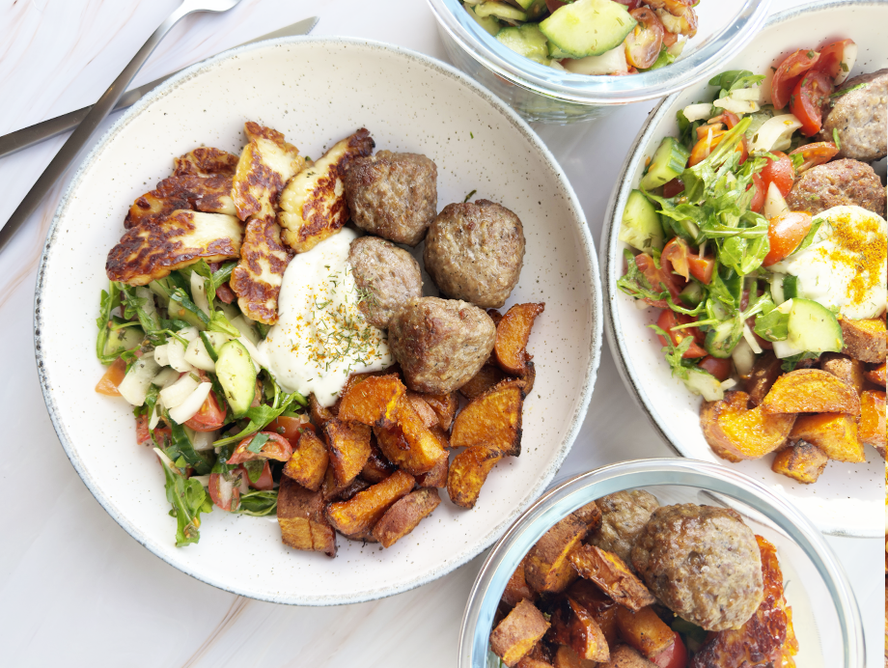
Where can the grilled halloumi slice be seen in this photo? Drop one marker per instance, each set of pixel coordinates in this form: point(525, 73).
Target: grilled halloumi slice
point(154, 249)
point(257, 278)
point(206, 161)
point(313, 205)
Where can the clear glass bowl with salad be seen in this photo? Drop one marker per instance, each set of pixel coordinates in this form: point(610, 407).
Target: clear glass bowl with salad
point(557, 62)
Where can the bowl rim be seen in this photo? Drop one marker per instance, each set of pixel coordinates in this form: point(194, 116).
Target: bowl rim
point(611, 257)
point(599, 89)
point(589, 256)
point(573, 493)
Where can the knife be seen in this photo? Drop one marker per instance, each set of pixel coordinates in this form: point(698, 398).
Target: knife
point(33, 134)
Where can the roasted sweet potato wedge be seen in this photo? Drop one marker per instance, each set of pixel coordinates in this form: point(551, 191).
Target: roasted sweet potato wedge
point(586, 637)
point(590, 514)
point(409, 444)
point(644, 630)
point(845, 368)
point(512, 333)
point(533, 662)
point(589, 596)
point(349, 447)
point(404, 515)
point(736, 432)
point(801, 461)
point(373, 400)
point(300, 514)
point(864, 339)
point(445, 406)
point(488, 376)
point(610, 573)
point(437, 477)
point(566, 657)
point(877, 374)
point(492, 419)
point(468, 472)
point(517, 588)
point(765, 371)
point(377, 468)
point(516, 635)
point(834, 433)
point(529, 377)
point(547, 568)
point(811, 391)
point(308, 463)
point(362, 511)
point(871, 430)
point(319, 414)
point(428, 417)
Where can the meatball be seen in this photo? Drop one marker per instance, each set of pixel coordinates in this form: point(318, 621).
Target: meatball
point(838, 183)
point(703, 563)
point(474, 251)
point(393, 195)
point(387, 276)
point(623, 516)
point(859, 117)
point(440, 343)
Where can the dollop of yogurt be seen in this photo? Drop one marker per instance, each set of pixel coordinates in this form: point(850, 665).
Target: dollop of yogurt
point(845, 266)
point(321, 336)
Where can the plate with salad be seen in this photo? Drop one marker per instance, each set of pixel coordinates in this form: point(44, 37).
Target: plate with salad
point(173, 470)
point(745, 265)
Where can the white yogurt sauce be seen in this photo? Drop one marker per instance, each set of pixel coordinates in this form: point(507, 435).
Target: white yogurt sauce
point(321, 336)
point(844, 268)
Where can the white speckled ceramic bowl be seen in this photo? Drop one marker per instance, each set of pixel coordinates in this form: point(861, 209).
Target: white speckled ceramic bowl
point(848, 498)
point(317, 91)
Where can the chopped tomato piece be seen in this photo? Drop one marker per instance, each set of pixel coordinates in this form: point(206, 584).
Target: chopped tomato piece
point(660, 280)
point(225, 294)
point(729, 118)
point(673, 187)
point(674, 656)
point(644, 41)
point(143, 436)
point(789, 73)
point(225, 489)
point(112, 377)
point(275, 447)
point(831, 57)
point(815, 153)
point(809, 96)
point(707, 143)
point(669, 319)
point(676, 252)
point(720, 368)
point(758, 197)
point(265, 480)
point(779, 172)
point(209, 418)
point(291, 427)
point(701, 267)
point(785, 233)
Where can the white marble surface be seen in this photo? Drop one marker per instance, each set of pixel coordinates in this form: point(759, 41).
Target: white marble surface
point(74, 587)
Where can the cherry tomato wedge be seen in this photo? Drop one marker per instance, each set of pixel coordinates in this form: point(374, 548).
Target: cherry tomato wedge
point(707, 144)
point(659, 279)
point(720, 368)
point(673, 187)
point(291, 427)
point(758, 197)
point(265, 481)
point(779, 172)
point(674, 656)
point(815, 153)
point(701, 267)
point(644, 41)
point(225, 489)
point(785, 233)
point(809, 96)
point(788, 74)
point(276, 447)
point(831, 57)
point(676, 252)
point(209, 418)
point(112, 377)
point(669, 319)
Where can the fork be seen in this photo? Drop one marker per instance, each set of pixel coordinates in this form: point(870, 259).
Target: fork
point(78, 139)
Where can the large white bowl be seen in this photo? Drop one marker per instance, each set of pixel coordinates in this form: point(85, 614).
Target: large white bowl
point(848, 498)
point(317, 91)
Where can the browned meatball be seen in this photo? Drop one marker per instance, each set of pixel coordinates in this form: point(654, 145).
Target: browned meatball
point(387, 277)
point(859, 117)
point(623, 516)
point(474, 251)
point(703, 563)
point(838, 183)
point(440, 343)
point(393, 195)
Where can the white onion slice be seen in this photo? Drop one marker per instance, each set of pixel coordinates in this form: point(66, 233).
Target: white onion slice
point(199, 293)
point(177, 393)
point(698, 112)
point(775, 134)
point(134, 386)
point(774, 205)
point(188, 408)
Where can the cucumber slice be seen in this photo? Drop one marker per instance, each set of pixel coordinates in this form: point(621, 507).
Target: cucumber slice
point(237, 376)
point(609, 62)
point(122, 339)
point(705, 384)
point(500, 10)
point(489, 23)
point(790, 287)
point(588, 27)
point(692, 294)
point(777, 293)
point(527, 40)
point(533, 8)
point(640, 227)
point(813, 328)
point(669, 161)
point(180, 312)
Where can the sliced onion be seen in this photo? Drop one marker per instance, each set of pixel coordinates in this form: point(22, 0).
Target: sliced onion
point(609, 62)
point(736, 105)
point(188, 408)
point(750, 339)
point(166, 377)
point(197, 355)
point(177, 393)
point(199, 293)
point(743, 358)
point(202, 440)
point(135, 384)
point(849, 56)
point(161, 356)
point(775, 133)
point(774, 204)
point(176, 356)
point(698, 112)
point(155, 415)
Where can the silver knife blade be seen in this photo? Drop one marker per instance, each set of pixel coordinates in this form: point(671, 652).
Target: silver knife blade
point(33, 134)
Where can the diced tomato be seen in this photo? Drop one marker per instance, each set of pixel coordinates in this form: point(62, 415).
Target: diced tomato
point(789, 73)
point(552, 5)
point(815, 153)
point(808, 99)
point(291, 427)
point(709, 141)
point(143, 436)
point(701, 267)
point(729, 118)
point(673, 187)
point(831, 57)
point(758, 197)
point(674, 656)
point(669, 319)
point(265, 480)
point(209, 418)
point(720, 368)
point(644, 41)
point(225, 492)
point(659, 279)
point(785, 233)
point(112, 377)
point(276, 447)
point(676, 252)
point(225, 294)
point(779, 172)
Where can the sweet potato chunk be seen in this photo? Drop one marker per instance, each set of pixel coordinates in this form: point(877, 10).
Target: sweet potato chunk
point(361, 512)
point(736, 432)
point(586, 637)
point(511, 337)
point(529, 377)
point(871, 430)
point(349, 447)
point(404, 515)
point(841, 366)
point(437, 477)
point(517, 588)
point(625, 656)
point(765, 371)
point(408, 443)
point(308, 463)
point(487, 376)
point(377, 468)
point(492, 419)
point(834, 433)
point(533, 662)
point(547, 568)
point(516, 635)
point(300, 514)
point(877, 375)
point(468, 472)
point(319, 414)
point(811, 391)
point(864, 339)
point(589, 596)
point(610, 573)
point(423, 410)
point(373, 400)
point(566, 657)
point(644, 630)
point(445, 406)
point(802, 461)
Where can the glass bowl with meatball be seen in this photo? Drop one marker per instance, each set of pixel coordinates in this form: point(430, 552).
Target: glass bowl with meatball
point(542, 58)
point(666, 563)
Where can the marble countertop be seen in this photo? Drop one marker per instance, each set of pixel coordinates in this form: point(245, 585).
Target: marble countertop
point(75, 588)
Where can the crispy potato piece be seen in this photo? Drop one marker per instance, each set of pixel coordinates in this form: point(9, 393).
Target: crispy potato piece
point(349, 446)
point(487, 376)
point(428, 417)
point(377, 468)
point(877, 375)
point(765, 371)
point(603, 609)
point(871, 430)
point(331, 490)
point(437, 477)
point(495, 315)
point(512, 333)
point(404, 515)
point(300, 513)
point(801, 461)
point(409, 443)
point(352, 488)
point(492, 419)
point(846, 368)
point(586, 637)
point(644, 630)
point(864, 339)
point(320, 414)
point(834, 433)
point(735, 432)
point(547, 568)
point(517, 588)
point(516, 635)
point(361, 512)
point(811, 391)
point(445, 406)
point(373, 400)
point(610, 573)
point(468, 472)
point(308, 463)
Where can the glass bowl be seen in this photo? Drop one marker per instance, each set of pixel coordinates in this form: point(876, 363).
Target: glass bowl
point(543, 94)
point(825, 614)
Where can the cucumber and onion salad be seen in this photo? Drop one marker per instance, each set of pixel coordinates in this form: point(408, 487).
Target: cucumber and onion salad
point(595, 37)
point(186, 361)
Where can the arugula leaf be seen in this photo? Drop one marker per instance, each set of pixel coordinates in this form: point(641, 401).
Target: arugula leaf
point(219, 323)
point(635, 284)
point(179, 295)
point(256, 444)
point(790, 363)
point(259, 417)
point(188, 499)
point(734, 79)
point(254, 468)
point(675, 353)
point(772, 326)
point(181, 446)
point(704, 174)
point(258, 503)
point(107, 303)
point(809, 238)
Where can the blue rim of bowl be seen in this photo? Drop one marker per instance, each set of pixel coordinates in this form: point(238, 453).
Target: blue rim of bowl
point(572, 494)
point(596, 311)
point(600, 90)
point(611, 259)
